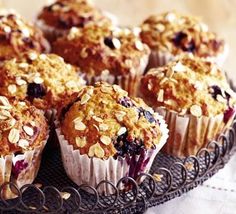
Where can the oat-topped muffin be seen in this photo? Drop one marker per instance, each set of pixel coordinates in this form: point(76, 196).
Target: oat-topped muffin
point(115, 55)
point(57, 19)
point(42, 79)
point(18, 35)
point(23, 131)
point(170, 34)
point(104, 125)
point(194, 92)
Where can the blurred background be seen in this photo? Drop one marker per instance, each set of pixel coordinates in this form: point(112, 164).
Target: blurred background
point(218, 14)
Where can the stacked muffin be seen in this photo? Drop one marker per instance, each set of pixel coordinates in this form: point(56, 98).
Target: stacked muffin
point(171, 34)
point(18, 35)
point(23, 134)
point(42, 79)
point(104, 134)
point(111, 54)
point(195, 99)
point(58, 18)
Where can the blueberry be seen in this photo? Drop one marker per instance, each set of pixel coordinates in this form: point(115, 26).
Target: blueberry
point(28, 41)
point(126, 102)
point(35, 90)
point(147, 114)
point(108, 42)
point(124, 146)
point(63, 23)
point(228, 114)
point(216, 90)
point(190, 47)
point(217, 44)
point(18, 167)
point(179, 37)
point(178, 41)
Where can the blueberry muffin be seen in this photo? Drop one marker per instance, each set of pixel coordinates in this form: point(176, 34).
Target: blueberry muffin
point(115, 55)
point(104, 134)
point(23, 134)
point(195, 99)
point(42, 79)
point(171, 34)
point(18, 35)
point(58, 18)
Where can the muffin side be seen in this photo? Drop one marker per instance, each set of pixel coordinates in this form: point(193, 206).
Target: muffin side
point(18, 35)
point(195, 99)
point(114, 55)
point(42, 79)
point(171, 34)
point(104, 127)
point(24, 132)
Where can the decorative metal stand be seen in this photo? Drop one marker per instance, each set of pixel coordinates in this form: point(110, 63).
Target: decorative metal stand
point(170, 177)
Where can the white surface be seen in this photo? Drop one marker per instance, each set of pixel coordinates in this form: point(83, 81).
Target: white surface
point(216, 196)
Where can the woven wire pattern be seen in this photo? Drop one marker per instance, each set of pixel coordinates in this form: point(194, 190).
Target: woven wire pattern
point(172, 177)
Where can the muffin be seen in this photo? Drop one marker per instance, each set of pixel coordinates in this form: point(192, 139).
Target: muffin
point(194, 98)
point(115, 55)
point(42, 79)
point(104, 134)
point(171, 34)
point(18, 35)
point(23, 134)
point(58, 18)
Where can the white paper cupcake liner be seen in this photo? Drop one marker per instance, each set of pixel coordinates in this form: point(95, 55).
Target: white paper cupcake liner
point(26, 176)
point(160, 58)
point(188, 134)
point(129, 82)
point(82, 169)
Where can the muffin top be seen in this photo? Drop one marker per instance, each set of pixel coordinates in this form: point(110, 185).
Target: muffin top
point(102, 121)
point(101, 48)
point(17, 36)
point(22, 127)
point(188, 85)
point(64, 14)
point(42, 79)
point(177, 33)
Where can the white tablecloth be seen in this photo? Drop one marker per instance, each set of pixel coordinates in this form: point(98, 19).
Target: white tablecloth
point(216, 196)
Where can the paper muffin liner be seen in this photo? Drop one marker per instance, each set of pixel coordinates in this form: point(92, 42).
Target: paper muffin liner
point(82, 169)
point(28, 165)
point(160, 58)
point(188, 134)
point(129, 82)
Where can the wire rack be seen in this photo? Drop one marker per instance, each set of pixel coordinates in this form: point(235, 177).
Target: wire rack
point(170, 177)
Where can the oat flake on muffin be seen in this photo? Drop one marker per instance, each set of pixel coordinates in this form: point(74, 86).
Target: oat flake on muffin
point(173, 33)
point(103, 127)
point(42, 79)
point(18, 35)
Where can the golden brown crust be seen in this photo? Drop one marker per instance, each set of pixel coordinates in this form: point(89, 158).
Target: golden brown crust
point(43, 79)
point(64, 14)
point(188, 85)
point(102, 121)
point(17, 36)
point(95, 49)
point(176, 33)
point(22, 127)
